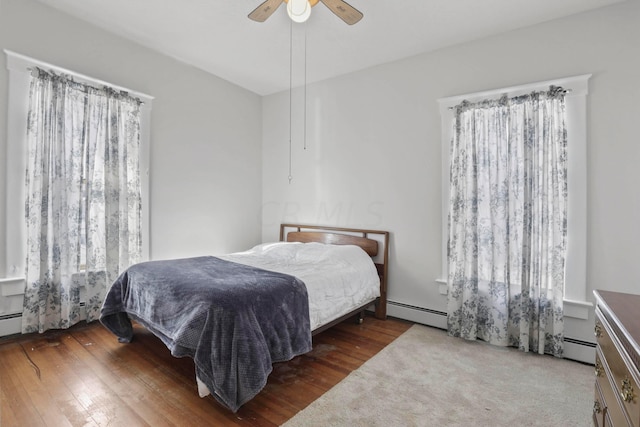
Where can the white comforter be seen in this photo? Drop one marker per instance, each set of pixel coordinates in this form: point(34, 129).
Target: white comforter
point(339, 278)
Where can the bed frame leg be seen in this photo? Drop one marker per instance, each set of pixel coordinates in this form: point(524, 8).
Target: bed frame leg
point(360, 317)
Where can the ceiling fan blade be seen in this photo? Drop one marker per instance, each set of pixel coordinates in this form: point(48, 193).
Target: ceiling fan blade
point(262, 12)
point(344, 11)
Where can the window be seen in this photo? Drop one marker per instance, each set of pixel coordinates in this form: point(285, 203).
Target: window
point(576, 304)
point(14, 228)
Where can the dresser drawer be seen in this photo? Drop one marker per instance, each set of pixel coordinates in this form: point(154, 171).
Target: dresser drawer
point(601, 416)
point(606, 395)
point(598, 407)
point(623, 383)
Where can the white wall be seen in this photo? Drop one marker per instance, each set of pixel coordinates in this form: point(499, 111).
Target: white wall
point(373, 146)
point(373, 141)
point(205, 133)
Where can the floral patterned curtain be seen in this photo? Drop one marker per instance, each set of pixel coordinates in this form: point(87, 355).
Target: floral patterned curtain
point(83, 204)
point(508, 222)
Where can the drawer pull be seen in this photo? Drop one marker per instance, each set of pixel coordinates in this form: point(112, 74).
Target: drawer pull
point(627, 390)
point(598, 330)
point(599, 368)
point(596, 407)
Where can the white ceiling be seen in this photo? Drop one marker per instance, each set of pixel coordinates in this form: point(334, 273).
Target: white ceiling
point(217, 36)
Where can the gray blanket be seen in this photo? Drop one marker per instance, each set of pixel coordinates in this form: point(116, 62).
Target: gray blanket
point(235, 321)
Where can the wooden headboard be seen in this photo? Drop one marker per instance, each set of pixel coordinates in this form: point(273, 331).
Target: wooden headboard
point(348, 236)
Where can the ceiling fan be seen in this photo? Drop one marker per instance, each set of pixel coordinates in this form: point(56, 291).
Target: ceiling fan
point(299, 10)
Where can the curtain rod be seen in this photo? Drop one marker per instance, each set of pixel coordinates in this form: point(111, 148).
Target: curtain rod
point(85, 83)
point(506, 94)
point(19, 62)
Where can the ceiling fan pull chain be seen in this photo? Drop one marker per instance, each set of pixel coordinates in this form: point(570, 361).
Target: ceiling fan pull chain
point(305, 88)
point(290, 92)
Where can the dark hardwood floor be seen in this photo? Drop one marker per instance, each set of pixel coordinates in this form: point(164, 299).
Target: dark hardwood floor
point(84, 377)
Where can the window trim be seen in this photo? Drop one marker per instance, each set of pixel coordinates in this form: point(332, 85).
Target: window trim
point(576, 302)
point(19, 67)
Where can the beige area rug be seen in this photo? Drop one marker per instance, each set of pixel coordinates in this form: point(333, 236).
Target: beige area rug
point(426, 378)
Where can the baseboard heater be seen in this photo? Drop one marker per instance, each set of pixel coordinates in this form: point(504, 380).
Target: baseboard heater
point(579, 342)
point(11, 324)
point(425, 316)
point(575, 349)
point(10, 316)
point(422, 309)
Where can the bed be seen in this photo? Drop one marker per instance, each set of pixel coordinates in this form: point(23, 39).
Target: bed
point(237, 314)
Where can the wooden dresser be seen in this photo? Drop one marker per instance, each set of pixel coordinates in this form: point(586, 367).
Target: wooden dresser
point(617, 365)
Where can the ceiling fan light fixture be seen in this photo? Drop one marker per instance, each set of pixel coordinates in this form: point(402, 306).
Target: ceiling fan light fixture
point(298, 10)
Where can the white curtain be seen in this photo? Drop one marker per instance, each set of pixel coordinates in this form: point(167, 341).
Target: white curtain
point(83, 204)
point(508, 222)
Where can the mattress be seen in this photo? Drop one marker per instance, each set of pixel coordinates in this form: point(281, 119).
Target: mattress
point(339, 278)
